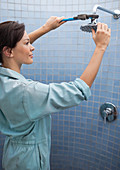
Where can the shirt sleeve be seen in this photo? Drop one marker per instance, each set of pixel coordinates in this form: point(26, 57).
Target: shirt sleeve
point(41, 99)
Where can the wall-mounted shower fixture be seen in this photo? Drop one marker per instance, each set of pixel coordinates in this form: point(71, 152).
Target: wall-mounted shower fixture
point(115, 13)
point(108, 111)
point(93, 24)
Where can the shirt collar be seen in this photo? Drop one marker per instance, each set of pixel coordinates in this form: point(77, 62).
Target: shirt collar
point(11, 73)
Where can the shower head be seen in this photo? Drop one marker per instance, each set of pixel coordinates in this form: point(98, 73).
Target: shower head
point(89, 27)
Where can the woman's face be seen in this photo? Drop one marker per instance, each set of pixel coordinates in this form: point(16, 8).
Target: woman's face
point(22, 53)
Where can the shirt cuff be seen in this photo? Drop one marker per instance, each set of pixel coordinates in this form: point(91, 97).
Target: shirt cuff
point(82, 86)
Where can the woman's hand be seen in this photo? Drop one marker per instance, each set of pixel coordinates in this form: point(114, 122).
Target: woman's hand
point(102, 36)
point(53, 22)
point(101, 39)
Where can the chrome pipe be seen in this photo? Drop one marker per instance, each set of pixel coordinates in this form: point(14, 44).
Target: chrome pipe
point(116, 13)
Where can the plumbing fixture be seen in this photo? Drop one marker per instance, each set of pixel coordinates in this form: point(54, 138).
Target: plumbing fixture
point(93, 17)
point(108, 111)
point(115, 13)
point(93, 24)
point(90, 26)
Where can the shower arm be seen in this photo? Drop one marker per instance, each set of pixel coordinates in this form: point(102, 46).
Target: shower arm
point(116, 13)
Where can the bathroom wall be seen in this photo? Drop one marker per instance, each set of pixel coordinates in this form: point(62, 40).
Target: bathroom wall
point(80, 139)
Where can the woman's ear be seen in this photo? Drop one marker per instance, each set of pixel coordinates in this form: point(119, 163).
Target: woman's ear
point(7, 51)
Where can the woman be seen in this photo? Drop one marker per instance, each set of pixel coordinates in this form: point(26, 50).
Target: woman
point(26, 105)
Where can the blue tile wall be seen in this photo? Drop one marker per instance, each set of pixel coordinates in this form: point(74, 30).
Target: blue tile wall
point(80, 139)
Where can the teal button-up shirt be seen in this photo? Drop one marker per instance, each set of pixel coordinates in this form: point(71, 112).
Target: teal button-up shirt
point(25, 117)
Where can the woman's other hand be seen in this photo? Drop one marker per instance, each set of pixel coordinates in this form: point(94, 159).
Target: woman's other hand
point(102, 36)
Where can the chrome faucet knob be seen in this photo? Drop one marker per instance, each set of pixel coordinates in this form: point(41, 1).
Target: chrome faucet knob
point(108, 111)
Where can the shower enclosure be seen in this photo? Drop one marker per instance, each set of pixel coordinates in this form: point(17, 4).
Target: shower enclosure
point(80, 138)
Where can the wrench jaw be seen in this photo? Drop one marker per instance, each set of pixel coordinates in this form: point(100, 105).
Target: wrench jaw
point(85, 16)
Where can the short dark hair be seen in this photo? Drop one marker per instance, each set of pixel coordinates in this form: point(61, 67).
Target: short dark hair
point(11, 32)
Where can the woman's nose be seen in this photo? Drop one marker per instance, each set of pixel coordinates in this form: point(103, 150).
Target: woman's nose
point(32, 48)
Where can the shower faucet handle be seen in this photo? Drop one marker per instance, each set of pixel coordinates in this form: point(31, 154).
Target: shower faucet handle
point(108, 112)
